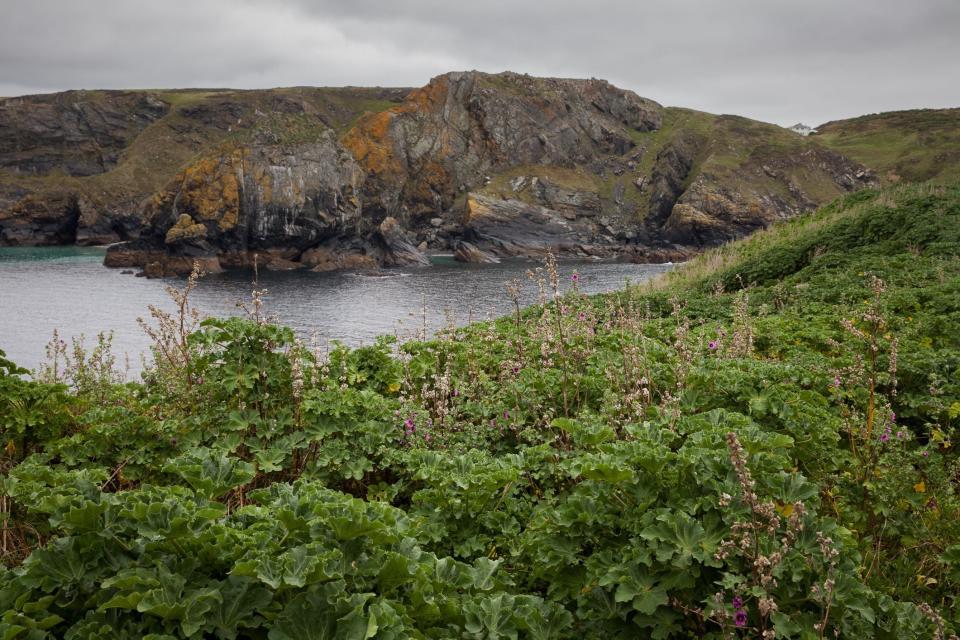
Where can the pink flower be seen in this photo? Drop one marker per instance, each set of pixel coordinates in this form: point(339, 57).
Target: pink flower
point(712, 345)
point(737, 602)
point(575, 277)
point(925, 453)
point(740, 618)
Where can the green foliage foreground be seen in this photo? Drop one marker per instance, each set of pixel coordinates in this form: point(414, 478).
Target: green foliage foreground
point(765, 450)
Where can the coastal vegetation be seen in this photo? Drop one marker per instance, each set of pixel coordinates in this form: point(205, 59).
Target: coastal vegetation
point(760, 444)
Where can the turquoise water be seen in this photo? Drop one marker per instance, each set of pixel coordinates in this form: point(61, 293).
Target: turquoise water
point(68, 288)
point(43, 254)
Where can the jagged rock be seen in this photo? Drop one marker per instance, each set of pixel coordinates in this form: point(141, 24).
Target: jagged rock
point(185, 230)
point(31, 220)
point(134, 253)
point(259, 197)
point(282, 264)
point(554, 196)
point(167, 265)
point(339, 257)
point(446, 137)
point(78, 133)
point(515, 228)
point(153, 269)
point(710, 212)
point(397, 248)
point(263, 172)
point(467, 252)
point(670, 170)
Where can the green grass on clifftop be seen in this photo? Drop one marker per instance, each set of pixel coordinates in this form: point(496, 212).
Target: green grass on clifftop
point(917, 145)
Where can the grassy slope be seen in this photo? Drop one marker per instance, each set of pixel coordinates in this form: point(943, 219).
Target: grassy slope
point(576, 453)
point(917, 145)
point(731, 151)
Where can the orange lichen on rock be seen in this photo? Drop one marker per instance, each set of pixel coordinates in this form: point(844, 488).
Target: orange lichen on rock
point(428, 98)
point(210, 189)
point(185, 229)
point(474, 209)
point(369, 142)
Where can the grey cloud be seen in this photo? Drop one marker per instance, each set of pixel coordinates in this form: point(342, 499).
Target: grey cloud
point(774, 60)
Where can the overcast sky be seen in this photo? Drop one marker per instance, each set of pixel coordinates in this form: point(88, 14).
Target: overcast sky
point(779, 61)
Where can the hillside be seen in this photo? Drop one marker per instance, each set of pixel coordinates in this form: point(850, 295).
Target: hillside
point(78, 166)
point(327, 178)
point(759, 445)
point(911, 146)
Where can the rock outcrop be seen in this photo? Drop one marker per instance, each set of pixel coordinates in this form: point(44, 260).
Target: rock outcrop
point(446, 138)
point(515, 228)
point(396, 247)
point(75, 133)
point(81, 166)
point(484, 165)
point(467, 252)
point(275, 201)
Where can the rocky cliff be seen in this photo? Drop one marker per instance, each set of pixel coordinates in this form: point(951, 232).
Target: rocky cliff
point(485, 164)
point(91, 167)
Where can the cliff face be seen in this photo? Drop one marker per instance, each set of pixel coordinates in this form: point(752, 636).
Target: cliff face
point(86, 167)
point(277, 200)
point(446, 138)
point(331, 178)
point(76, 133)
point(519, 165)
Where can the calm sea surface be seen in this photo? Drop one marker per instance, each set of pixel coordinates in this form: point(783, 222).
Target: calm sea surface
point(68, 288)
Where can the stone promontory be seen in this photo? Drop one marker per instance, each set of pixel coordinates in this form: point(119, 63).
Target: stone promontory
point(481, 165)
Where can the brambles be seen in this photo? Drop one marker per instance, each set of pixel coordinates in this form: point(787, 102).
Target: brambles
point(731, 460)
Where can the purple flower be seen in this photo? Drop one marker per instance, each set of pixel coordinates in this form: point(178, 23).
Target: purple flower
point(893, 417)
point(899, 435)
point(575, 277)
point(516, 370)
point(925, 453)
point(737, 602)
point(408, 423)
point(456, 392)
point(836, 382)
point(884, 437)
point(740, 618)
point(581, 316)
point(712, 345)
